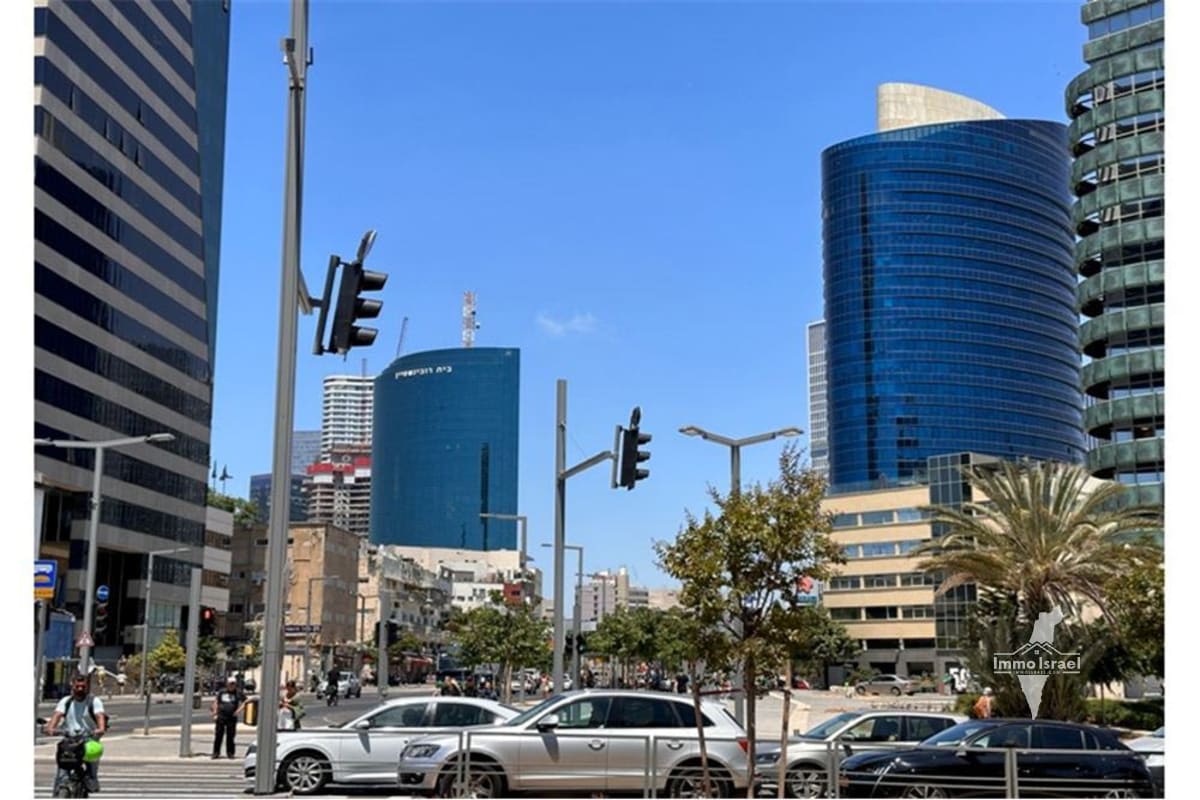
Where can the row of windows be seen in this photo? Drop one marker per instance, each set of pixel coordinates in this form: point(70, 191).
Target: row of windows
point(70, 398)
point(72, 297)
point(83, 254)
point(1147, 478)
point(945, 240)
point(161, 44)
point(883, 191)
point(969, 388)
point(880, 549)
point(880, 517)
point(881, 612)
point(79, 351)
point(1121, 255)
point(1148, 122)
point(889, 268)
point(1036, 363)
point(108, 80)
point(1152, 431)
point(990, 329)
point(1115, 393)
point(53, 80)
point(113, 179)
point(881, 581)
point(1136, 167)
point(917, 207)
point(1124, 86)
point(1146, 208)
point(999, 302)
point(1011, 179)
point(1125, 19)
point(175, 16)
point(103, 28)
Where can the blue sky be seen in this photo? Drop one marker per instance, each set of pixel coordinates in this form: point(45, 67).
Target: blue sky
point(631, 189)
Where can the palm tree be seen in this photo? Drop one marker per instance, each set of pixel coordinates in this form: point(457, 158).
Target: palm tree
point(1045, 533)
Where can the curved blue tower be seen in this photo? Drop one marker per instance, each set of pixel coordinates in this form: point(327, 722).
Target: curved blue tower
point(444, 449)
point(949, 298)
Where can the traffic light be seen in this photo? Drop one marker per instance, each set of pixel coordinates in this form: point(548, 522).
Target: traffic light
point(208, 621)
point(631, 440)
point(101, 614)
point(350, 306)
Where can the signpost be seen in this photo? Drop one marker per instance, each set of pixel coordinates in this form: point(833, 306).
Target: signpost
point(102, 594)
point(45, 578)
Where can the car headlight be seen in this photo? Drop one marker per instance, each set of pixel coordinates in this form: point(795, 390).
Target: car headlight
point(766, 758)
point(419, 751)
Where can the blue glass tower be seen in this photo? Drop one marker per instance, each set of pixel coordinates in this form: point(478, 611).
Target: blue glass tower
point(949, 298)
point(444, 449)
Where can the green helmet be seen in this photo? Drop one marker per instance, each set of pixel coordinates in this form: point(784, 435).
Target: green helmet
point(92, 751)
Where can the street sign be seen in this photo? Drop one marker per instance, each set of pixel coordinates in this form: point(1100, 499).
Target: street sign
point(300, 629)
point(85, 640)
point(45, 578)
point(102, 593)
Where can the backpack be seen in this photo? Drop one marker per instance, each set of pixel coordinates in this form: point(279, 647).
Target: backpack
point(90, 708)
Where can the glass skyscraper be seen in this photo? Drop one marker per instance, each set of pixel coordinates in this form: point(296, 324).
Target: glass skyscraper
point(1117, 135)
point(950, 319)
point(445, 449)
point(129, 124)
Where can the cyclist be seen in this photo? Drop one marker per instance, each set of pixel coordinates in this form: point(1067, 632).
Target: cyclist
point(83, 714)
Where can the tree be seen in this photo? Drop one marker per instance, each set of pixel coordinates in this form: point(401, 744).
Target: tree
point(1137, 600)
point(741, 569)
point(501, 633)
point(252, 650)
point(819, 641)
point(1039, 535)
point(168, 655)
point(209, 651)
point(245, 512)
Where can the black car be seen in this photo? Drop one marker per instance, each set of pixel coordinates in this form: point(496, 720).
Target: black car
point(1053, 759)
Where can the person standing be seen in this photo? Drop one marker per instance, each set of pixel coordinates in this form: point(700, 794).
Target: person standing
point(226, 706)
point(83, 714)
point(983, 706)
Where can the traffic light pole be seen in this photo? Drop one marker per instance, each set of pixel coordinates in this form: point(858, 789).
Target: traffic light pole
point(561, 473)
point(189, 670)
point(296, 54)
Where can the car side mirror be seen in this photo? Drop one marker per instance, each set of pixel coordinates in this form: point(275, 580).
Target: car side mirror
point(847, 748)
point(961, 753)
point(363, 726)
point(548, 722)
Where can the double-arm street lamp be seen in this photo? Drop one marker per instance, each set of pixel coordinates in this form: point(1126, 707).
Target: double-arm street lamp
point(578, 606)
point(735, 486)
point(89, 588)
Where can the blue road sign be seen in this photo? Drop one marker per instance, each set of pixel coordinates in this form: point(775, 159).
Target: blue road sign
point(45, 577)
point(102, 593)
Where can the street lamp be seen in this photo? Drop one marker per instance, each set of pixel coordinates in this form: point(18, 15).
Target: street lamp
point(308, 622)
point(735, 480)
point(146, 612)
point(89, 587)
point(522, 519)
point(578, 603)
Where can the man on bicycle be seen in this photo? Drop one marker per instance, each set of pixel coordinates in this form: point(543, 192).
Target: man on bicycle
point(83, 714)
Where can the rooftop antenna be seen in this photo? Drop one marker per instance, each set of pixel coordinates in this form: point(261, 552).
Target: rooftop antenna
point(469, 325)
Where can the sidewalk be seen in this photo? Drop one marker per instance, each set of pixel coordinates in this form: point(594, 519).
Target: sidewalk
point(161, 745)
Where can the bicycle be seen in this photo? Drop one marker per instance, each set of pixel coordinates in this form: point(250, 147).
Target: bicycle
point(73, 778)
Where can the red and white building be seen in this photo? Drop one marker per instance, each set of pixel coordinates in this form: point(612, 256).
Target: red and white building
point(338, 492)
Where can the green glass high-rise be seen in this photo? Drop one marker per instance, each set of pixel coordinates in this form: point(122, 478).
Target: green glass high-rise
point(1117, 130)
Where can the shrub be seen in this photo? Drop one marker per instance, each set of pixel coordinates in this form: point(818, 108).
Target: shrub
point(1145, 715)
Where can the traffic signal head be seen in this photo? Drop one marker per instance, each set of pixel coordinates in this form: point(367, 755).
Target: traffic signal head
point(631, 455)
point(100, 624)
point(351, 308)
point(208, 620)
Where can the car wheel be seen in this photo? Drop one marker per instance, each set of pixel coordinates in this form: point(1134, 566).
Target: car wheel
point(689, 782)
point(896, 691)
point(924, 790)
point(806, 780)
point(483, 780)
point(860, 689)
point(304, 773)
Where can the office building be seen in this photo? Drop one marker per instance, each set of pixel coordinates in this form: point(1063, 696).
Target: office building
point(950, 320)
point(129, 120)
point(306, 449)
point(606, 591)
point(347, 408)
point(472, 575)
point(445, 449)
point(1117, 136)
point(338, 491)
point(818, 416)
point(260, 495)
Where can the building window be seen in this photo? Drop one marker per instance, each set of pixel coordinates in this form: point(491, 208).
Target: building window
point(878, 549)
point(879, 581)
point(882, 612)
point(845, 614)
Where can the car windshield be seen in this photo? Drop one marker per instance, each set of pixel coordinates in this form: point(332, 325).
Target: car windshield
point(952, 737)
point(829, 726)
point(533, 713)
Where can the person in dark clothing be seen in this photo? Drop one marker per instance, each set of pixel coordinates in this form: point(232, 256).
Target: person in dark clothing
point(681, 683)
point(471, 689)
point(225, 709)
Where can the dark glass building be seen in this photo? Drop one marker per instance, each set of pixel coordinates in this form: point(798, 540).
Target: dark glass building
point(949, 298)
point(1117, 135)
point(260, 495)
point(129, 120)
point(444, 449)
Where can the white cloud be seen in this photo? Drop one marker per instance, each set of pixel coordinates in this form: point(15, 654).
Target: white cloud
point(580, 323)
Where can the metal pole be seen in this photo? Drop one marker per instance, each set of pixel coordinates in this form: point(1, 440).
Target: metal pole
point(735, 487)
point(89, 585)
point(39, 658)
point(285, 390)
point(385, 614)
point(578, 617)
point(524, 545)
point(308, 632)
point(189, 670)
point(146, 644)
point(560, 503)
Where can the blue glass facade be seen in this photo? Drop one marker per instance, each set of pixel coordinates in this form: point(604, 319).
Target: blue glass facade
point(445, 449)
point(949, 298)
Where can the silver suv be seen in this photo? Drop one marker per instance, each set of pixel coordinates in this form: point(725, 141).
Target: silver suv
point(853, 732)
point(593, 740)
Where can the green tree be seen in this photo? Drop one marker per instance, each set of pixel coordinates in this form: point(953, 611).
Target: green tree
point(251, 655)
point(168, 655)
point(406, 642)
point(1038, 535)
point(209, 651)
point(501, 633)
point(819, 641)
point(245, 512)
point(741, 568)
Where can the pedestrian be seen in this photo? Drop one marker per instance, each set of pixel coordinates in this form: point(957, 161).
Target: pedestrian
point(290, 701)
point(681, 683)
point(451, 687)
point(983, 706)
point(82, 713)
point(226, 706)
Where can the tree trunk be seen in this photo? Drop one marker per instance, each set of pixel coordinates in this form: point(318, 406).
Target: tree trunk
point(706, 781)
point(748, 688)
point(506, 676)
point(783, 738)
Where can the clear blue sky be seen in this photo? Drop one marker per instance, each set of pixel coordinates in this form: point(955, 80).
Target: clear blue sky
point(631, 189)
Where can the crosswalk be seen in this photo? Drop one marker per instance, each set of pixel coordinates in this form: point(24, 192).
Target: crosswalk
point(199, 777)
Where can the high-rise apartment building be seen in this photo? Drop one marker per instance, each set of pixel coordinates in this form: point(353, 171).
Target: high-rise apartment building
point(338, 491)
point(950, 321)
point(818, 419)
point(347, 410)
point(1117, 135)
point(129, 121)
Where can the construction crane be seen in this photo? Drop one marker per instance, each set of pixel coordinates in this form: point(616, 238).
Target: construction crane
point(400, 343)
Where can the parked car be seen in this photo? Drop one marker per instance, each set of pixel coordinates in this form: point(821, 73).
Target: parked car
point(366, 749)
point(885, 684)
point(593, 740)
point(852, 732)
point(348, 686)
point(1155, 745)
point(955, 763)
